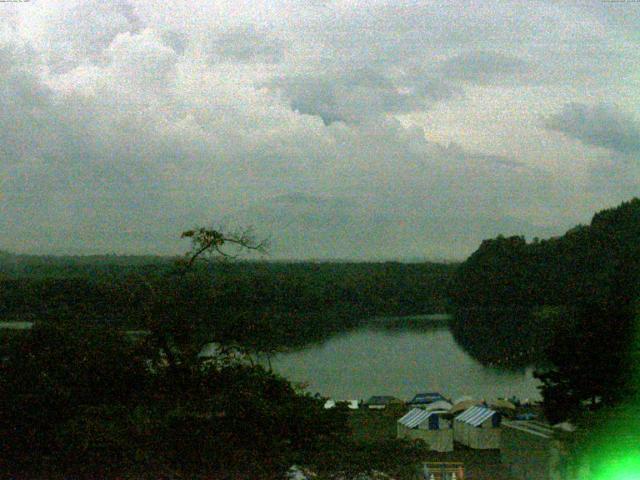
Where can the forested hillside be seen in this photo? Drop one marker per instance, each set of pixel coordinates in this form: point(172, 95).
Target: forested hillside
point(284, 304)
point(86, 400)
point(569, 302)
point(586, 263)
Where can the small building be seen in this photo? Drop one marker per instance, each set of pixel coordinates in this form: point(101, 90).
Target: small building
point(462, 405)
point(430, 427)
point(478, 427)
point(442, 471)
point(378, 402)
point(425, 398)
point(350, 404)
point(531, 451)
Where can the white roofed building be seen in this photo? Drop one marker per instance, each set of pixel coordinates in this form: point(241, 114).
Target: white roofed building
point(439, 406)
point(478, 427)
point(430, 427)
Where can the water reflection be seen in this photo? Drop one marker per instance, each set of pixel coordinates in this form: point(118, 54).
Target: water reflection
point(509, 338)
point(387, 357)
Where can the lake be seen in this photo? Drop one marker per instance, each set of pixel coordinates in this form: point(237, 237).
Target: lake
point(392, 360)
point(394, 356)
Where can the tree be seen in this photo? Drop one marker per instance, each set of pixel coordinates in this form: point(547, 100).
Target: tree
point(173, 327)
point(591, 359)
point(54, 371)
point(82, 400)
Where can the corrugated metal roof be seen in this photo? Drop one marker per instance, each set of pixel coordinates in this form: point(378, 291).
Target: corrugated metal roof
point(534, 428)
point(414, 418)
point(475, 415)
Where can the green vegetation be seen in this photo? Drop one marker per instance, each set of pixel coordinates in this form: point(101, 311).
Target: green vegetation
point(82, 399)
point(577, 297)
point(282, 304)
point(574, 299)
point(587, 264)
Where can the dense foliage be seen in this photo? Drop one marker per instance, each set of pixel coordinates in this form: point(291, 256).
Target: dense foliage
point(576, 301)
point(584, 265)
point(83, 400)
point(280, 304)
point(84, 397)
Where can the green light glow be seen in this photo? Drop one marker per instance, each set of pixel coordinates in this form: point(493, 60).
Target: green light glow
point(613, 449)
point(625, 469)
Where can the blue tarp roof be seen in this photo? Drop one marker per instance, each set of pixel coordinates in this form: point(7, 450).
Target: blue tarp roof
point(427, 397)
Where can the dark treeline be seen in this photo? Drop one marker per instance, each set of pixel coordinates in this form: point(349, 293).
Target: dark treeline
point(582, 265)
point(279, 304)
point(569, 301)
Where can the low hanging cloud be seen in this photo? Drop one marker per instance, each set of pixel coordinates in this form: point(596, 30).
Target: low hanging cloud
point(605, 126)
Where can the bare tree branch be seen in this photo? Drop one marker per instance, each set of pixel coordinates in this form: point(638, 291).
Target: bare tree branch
point(210, 241)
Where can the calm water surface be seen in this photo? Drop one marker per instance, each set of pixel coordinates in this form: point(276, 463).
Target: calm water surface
point(400, 362)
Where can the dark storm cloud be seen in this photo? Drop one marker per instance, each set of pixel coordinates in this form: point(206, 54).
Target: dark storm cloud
point(600, 125)
point(352, 96)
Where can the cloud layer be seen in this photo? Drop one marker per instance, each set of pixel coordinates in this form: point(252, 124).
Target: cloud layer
point(389, 130)
point(599, 125)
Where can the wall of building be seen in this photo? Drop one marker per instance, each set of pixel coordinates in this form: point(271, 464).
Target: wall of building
point(481, 438)
point(436, 440)
point(526, 456)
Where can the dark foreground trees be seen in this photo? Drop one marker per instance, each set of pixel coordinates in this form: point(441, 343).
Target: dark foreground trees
point(80, 401)
point(591, 360)
point(83, 399)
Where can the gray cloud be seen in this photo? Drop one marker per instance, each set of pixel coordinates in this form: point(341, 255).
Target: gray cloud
point(352, 96)
point(81, 30)
point(483, 67)
point(599, 125)
point(124, 123)
point(246, 45)
point(176, 40)
point(333, 228)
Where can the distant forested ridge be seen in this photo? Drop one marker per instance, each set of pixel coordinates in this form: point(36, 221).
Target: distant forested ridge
point(510, 295)
point(584, 263)
point(289, 304)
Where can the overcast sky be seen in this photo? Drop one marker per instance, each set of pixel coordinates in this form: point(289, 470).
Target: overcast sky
point(340, 129)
